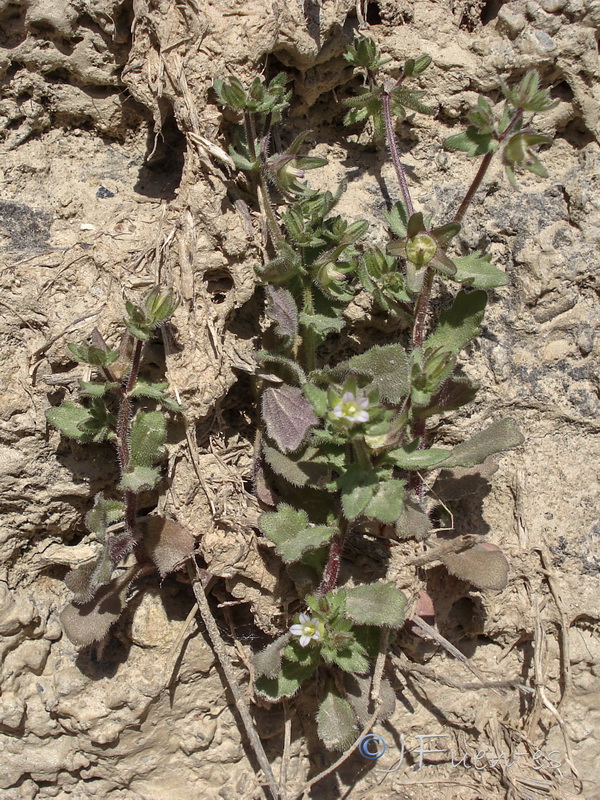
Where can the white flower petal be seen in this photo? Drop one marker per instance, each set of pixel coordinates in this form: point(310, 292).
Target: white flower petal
point(348, 397)
point(304, 618)
point(297, 630)
point(304, 640)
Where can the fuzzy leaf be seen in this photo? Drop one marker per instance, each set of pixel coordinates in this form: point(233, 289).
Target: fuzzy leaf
point(317, 398)
point(288, 416)
point(484, 565)
point(268, 661)
point(298, 473)
point(286, 683)
point(458, 324)
point(104, 513)
point(379, 604)
point(89, 623)
point(96, 356)
point(351, 659)
point(148, 436)
point(387, 502)
point(139, 479)
point(387, 365)
point(282, 525)
point(358, 487)
point(501, 435)
point(307, 539)
point(85, 581)
point(454, 392)
point(290, 531)
point(168, 543)
point(321, 324)
point(358, 693)
point(413, 522)
point(67, 418)
point(472, 142)
point(156, 391)
point(478, 271)
point(283, 311)
point(410, 458)
point(336, 724)
point(96, 388)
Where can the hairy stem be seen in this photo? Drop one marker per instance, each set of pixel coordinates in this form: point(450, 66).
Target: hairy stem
point(422, 309)
point(334, 560)
point(123, 422)
point(393, 147)
point(308, 335)
point(483, 168)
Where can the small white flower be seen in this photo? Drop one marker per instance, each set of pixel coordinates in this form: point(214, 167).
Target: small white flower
point(352, 409)
point(307, 629)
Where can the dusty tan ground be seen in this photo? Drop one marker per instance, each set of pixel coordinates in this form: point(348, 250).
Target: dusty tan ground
point(104, 190)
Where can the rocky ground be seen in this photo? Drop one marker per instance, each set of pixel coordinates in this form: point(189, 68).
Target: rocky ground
point(107, 187)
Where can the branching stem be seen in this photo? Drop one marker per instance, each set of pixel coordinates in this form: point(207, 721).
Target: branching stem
point(483, 168)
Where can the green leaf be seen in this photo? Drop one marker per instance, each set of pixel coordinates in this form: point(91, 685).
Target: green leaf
point(388, 366)
point(413, 522)
point(381, 604)
point(352, 658)
point(397, 219)
point(301, 472)
point(90, 354)
point(95, 388)
point(458, 324)
point(472, 142)
point(286, 683)
point(410, 458)
point(68, 418)
point(288, 416)
point(307, 539)
point(317, 398)
point(104, 513)
point(289, 530)
point(357, 487)
point(268, 661)
point(387, 502)
point(139, 479)
point(147, 438)
point(501, 435)
point(336, 724)
point(477, 270)
point(284, 524)
point(321, 324)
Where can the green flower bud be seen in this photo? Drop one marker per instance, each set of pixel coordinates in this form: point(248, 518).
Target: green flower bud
point(420, 249)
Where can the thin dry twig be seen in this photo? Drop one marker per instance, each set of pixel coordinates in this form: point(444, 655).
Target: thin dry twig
point(432, 675)
point(287, 743)
point(541, 695)
point(449, 647)
point(169, 670)
point(219, 648)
